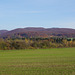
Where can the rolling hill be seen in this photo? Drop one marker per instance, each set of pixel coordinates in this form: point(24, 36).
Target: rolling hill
point(38, 32)
point(3, 31)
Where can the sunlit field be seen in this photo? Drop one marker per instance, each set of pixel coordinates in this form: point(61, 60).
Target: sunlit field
point(60, 61)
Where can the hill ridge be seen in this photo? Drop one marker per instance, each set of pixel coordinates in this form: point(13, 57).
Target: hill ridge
point(38, 32)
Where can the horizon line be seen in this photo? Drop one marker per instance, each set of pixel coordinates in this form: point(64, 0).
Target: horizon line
point(35, 27)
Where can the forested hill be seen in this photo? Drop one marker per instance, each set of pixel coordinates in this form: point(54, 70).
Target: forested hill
point(38, 32)
point(3, 31)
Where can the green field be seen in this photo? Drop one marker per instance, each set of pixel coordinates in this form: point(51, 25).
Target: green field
point(59, 61)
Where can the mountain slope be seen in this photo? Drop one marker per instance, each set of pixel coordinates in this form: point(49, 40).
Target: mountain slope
point(39, 32)
point(3, 31)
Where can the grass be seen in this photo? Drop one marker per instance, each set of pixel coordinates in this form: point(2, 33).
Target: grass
point(38, 62)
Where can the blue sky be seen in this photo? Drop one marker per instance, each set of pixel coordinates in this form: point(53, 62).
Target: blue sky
point(37, 13)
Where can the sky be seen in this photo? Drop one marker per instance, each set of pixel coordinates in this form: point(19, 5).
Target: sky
point(37, 13)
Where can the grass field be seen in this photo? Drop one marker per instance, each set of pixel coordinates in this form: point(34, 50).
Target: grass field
point(38, 62)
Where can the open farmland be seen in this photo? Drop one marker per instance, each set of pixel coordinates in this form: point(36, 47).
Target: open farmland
point(60, 61)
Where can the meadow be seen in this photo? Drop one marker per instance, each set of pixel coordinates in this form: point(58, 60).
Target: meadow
point(56, 61)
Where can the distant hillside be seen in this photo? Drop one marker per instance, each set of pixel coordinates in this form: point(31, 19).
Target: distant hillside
point(3, 31)
point(38, 32)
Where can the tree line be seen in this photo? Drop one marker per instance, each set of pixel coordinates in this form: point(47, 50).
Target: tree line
point(35, 43)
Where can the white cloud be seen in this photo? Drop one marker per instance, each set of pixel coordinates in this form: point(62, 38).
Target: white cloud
point(66, 25)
